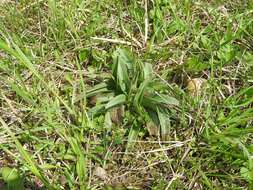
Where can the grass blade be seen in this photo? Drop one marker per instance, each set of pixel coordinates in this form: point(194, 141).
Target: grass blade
point(20, 56)
point(28, 159)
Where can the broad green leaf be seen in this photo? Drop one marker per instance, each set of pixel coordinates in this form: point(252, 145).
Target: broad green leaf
point(122, 56)
point(118, 100)
point(150, 103)
point(140, 93)
point(99, 88)
point(83, 55)
point(122, 64)
point(148, 71)
point(12, 178)
point(105, 97)
point(122, 77)
point(164, 121)
point(169, 100)
point(96, 110)
point(159, 99)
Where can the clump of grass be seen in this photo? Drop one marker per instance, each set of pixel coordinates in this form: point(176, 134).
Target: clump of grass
point(134, 86)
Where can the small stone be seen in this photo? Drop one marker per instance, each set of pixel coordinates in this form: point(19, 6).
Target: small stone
point(195, 85)
point(101, 173)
